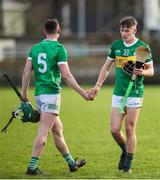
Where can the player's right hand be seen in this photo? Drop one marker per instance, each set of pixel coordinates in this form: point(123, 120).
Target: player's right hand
point(88, 96)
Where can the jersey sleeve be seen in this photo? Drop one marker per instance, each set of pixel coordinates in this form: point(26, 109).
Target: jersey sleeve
point(111, 53)
point(30, 55)
point(62, 55)
point(149, 60)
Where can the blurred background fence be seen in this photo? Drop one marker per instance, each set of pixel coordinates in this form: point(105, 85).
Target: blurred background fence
point(88, 29)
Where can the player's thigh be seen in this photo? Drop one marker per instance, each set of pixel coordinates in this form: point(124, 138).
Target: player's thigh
point(132, 114)
point(116, 119)
point(47, 120)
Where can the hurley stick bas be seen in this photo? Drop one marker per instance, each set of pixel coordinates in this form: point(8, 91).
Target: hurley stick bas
point(25, 112)
point(5, 75)
point(142, 54)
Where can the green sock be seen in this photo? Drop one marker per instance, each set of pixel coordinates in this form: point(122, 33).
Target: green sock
point(69, 159)
point(33, 163)
point(129, 158)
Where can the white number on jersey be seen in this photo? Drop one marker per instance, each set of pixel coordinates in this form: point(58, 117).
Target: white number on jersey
point(42, 60)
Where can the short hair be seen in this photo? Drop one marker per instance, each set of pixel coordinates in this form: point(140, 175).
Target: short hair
point(128, 22)
point(51, 25)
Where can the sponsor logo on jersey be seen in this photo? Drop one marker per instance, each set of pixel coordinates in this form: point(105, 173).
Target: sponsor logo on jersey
point(121, 60)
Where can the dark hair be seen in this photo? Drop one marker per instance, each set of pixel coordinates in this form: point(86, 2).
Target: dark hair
point(128, 22)
point(51, 25)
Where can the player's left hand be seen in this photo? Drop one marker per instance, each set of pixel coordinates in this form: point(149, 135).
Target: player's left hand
point(94, 91)
point(139, 72)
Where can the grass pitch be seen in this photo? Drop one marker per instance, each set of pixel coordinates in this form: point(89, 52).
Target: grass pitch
point(87, 132)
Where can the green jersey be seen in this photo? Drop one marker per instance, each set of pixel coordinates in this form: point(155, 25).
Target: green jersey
point(45, 57)
point(122, 53)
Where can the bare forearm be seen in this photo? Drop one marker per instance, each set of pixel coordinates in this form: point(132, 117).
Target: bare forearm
point(25, 82)
point(26, 79)
point(102, 76)
point(148, 72)
point(71, 82)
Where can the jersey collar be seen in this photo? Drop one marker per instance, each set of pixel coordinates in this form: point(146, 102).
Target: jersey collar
point(50, 40)
point(128, 45)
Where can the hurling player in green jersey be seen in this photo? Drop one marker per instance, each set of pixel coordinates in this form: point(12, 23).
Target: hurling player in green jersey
point(122, 54)
point(48, 60)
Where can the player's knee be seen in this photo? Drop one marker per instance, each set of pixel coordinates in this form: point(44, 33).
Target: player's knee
point(129, 130)
point(115, 131)
point(40, 141)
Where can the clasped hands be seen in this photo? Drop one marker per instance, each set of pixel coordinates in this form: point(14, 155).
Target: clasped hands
point(89, 95)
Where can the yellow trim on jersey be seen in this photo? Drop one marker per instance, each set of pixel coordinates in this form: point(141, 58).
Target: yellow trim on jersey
point(121, 60)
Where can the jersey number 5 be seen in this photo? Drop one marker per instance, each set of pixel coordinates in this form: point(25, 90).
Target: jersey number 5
point(42, 61)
